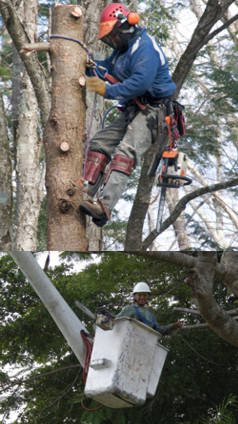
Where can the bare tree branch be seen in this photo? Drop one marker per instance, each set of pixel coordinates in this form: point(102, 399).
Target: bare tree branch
point(221, 28)
point(226, 274)
point(181, 205)
point(213, 13)
point(196, 312)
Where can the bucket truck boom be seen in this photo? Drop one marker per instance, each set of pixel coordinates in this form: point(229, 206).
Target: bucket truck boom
point(65, 319)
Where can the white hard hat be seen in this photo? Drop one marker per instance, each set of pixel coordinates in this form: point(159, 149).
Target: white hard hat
point(141, 288)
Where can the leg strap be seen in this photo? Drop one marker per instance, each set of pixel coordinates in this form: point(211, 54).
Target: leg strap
point(95, 165)
point(120, 163)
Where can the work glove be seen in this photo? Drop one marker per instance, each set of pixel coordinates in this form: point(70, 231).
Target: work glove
point(177, 325)
point(96, 85)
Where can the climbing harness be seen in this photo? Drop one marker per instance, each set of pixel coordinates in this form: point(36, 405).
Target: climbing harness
point(145, 321)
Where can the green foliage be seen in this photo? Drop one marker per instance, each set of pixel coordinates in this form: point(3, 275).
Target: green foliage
point(224, 413)
point(199, 373)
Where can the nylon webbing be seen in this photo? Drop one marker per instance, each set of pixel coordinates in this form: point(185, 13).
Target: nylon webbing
point(143, 319)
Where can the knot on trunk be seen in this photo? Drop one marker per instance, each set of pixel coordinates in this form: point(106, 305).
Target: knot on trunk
point(64, 205)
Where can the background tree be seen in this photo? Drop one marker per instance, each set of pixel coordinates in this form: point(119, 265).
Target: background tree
point(44, 382)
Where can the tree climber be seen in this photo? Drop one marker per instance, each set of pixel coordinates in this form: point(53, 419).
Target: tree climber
point(139, 312)
point(140, 65)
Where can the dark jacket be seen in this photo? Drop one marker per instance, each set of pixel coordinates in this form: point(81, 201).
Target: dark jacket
point(142, 68)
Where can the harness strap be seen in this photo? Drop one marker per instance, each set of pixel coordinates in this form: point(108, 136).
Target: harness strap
point(141, 318)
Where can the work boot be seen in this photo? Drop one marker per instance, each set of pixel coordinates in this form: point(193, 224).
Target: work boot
point(97, 210)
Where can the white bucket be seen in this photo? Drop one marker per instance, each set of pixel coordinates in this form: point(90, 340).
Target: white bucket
point(126, 364)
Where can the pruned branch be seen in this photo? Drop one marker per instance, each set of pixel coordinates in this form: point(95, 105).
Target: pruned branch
point(181, 205)
point(29, 48)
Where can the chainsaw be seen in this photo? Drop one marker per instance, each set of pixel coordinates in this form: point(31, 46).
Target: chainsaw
point(171, 174)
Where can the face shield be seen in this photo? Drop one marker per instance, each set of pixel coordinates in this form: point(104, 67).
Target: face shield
point(112, 40)
point(119, 37)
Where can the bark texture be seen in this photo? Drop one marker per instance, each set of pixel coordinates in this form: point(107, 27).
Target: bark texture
point(202, 281)
point(66, 228)
point(30, 183)
point(5, 183)
point(19, 37)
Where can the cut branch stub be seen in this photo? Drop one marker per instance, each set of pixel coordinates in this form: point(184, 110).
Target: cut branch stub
point(29, 48)
point(70, 192)
point(64, 146)
point(77, 12)
point(64, 205)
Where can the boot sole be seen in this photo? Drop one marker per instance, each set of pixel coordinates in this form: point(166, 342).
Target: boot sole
point(88, 211)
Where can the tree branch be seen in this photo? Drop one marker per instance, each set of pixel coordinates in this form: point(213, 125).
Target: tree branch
point(211, 15)
point(221, 28)
point(225, 274)
point(181, 205)
point(196, 312)
point(32, 65)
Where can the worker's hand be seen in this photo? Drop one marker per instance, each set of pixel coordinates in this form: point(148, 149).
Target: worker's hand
point(95, 84)
point(178, 325)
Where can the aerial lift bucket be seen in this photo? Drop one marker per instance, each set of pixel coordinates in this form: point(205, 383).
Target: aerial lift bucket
point(126, 364)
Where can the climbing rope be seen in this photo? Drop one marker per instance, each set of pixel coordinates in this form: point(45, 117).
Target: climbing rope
point(90, 409)
point(89, 348)
point(81, 43)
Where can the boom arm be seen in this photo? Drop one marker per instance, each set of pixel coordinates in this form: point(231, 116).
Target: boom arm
point(65, 319)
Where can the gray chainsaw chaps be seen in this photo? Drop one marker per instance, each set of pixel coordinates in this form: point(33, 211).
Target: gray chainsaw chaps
point(129, 135)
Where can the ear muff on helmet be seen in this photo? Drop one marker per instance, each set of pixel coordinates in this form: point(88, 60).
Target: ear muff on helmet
point(133, 18)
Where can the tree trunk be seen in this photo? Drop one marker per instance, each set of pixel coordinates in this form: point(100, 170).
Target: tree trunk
point(202, 281)
point(66, 228)
point(180, 224)
point(92, 16)
point(5, 186)
point(28, 146)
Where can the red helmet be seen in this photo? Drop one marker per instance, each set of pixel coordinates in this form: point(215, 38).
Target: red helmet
point(109, 17)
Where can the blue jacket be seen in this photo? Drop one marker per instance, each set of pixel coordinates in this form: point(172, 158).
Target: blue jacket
point(142, 68)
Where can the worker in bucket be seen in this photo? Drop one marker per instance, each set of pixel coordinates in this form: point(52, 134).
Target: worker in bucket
point(138, 311)
point(143, 83)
